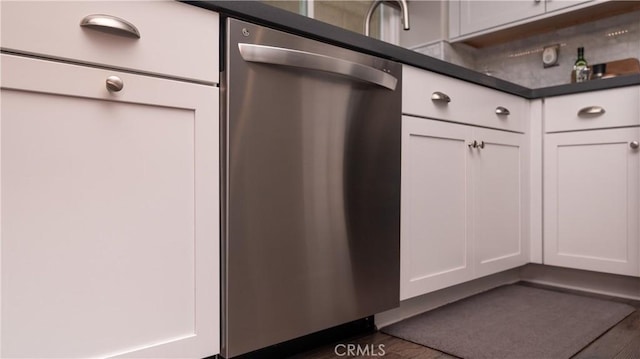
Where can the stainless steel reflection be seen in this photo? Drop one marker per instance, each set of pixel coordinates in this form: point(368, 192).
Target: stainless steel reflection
point(311, 187)
point(311, 61)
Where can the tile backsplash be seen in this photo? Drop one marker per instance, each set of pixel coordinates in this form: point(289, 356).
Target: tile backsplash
point(520, 61)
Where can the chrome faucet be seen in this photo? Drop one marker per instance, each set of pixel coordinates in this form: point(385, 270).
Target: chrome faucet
point(400, 4)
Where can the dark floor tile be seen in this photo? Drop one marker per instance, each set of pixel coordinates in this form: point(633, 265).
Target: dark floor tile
point(631, 350)
point(614, 340)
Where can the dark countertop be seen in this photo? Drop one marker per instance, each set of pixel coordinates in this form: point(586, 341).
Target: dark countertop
point(257, 12)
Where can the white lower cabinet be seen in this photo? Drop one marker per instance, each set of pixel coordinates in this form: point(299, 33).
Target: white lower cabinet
point(109, 242)
point(591, 200)
point(462, 206)
point(435, 248)
point(500, 180)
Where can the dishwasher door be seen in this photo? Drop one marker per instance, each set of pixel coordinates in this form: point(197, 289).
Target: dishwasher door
point(311, 186)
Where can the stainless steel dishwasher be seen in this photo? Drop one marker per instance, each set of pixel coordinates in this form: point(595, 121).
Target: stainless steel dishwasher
point(311, 186)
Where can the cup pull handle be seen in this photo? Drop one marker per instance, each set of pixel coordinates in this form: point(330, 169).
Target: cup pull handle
point(440, 97)
point(591, 111)
point(502, 111)
point(110, 24)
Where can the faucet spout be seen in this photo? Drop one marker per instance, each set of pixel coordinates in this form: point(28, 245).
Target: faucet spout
point(401, 4)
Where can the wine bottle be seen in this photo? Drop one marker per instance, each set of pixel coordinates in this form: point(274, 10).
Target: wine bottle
point(580, 67)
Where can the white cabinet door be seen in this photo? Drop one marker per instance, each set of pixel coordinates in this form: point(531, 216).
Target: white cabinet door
point(500, 177)
point(463, 209)
point(109, 216)
point(435, 247)
point(477, 15)
point(591, 200)
point(553, 5)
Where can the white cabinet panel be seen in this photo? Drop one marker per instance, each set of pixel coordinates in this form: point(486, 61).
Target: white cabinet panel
point(469, 103)
point(605, 165)
point(478, 15)
point(95, 207)
point(462, 213)
point(109, 214)
point(166, 46)
point(469, 19)
point(591, 200)
point(553, 5)
point(610, 108)
point(435, 248)
point(499, 182)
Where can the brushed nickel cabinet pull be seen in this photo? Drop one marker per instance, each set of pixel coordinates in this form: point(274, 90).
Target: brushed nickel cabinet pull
point(111, 25)
point(634, 145)
point(476, 144)
point(591, 111)
point(440, 97)
point(114, 84)
point(502, 111)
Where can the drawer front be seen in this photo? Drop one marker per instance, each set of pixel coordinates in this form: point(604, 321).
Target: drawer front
point(469, 103)
point(176, 39)
point(600, 109)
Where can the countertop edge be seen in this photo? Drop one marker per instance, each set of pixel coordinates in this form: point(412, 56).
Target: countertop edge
point(593, 85)
point(279, 19)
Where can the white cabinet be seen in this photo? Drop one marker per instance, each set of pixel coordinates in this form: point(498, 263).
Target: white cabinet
point(469, 19)
point(462, 213)
point(109, 214)
point(500, 180)
point(479, 15)
point(435, 195)
point(591, 181)
point(110, 206)
point(175, 39)
point(591, 199)
point(554, 5)
point(430, 95)
point(618, 107)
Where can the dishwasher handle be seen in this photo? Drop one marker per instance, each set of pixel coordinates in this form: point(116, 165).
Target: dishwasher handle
point(309, 60)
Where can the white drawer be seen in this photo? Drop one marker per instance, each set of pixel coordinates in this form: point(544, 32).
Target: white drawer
point(176, 39)
point(470, 104)
point(599, 109)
